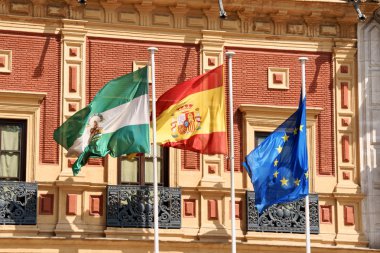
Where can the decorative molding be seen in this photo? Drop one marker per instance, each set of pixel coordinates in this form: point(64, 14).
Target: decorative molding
point(345, 148)
point(189, 208)
point(349, 215)
point(73, 77)
point(212, 169)
point(326, 214)
point(278, 78)
point(212, 209)
point(345, 95)
point(96, 205)
point(5, 61)
point(238, 210)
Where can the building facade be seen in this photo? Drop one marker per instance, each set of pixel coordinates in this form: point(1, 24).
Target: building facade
point(368, 73)
point(56, 55)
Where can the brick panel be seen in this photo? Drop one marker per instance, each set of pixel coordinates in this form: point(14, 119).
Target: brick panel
point(109, 58)
point(250, 81)
point(36, 67)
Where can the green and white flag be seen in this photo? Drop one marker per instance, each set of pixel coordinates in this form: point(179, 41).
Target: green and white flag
point(116, 122)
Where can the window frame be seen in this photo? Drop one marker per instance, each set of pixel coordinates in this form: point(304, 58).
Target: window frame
point(25, 105)
point(266, 118)
point(23, 124)
point(141, 169)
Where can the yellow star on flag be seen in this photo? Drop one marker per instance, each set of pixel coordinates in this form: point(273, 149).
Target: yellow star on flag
point(301, 128)
point(285, 137)
point(307, 175)
point(275, 162)
point(279, 149)
point(297, 182)
point(284, 181)
point(295, 131)
point(275, 174)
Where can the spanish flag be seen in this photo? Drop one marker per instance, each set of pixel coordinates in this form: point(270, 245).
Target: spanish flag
point(192, 115)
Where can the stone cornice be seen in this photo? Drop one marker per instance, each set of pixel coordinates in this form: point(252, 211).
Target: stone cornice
point(323, 19)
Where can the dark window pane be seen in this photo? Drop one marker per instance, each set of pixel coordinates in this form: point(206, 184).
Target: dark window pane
point(12, 149)
point(260, 137)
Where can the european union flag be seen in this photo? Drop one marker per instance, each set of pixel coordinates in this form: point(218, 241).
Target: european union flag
point(278, 167)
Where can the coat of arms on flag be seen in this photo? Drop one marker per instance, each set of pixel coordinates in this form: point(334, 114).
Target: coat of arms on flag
point(191, 115)
point(186, 120)
point(116, 122)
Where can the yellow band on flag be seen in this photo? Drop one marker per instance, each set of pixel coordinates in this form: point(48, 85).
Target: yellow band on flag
point(192, 115)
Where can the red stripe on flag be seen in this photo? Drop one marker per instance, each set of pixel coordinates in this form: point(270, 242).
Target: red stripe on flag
point(210, 80)
point(210, 144)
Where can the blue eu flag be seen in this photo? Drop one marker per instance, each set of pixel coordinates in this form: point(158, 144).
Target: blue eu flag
point(278, 167)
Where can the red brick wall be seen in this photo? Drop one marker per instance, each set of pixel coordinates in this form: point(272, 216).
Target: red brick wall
point(250, 80)
point(109, 58)
point(36, 67)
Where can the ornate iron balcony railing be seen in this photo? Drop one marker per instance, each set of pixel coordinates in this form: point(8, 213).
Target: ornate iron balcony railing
point(284, 218)
point(132, 206)
point(18, 203)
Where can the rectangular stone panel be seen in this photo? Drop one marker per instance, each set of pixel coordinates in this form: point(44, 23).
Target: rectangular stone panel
point(71, 204)
point(46, 204)
point(375, 120)
point(375, 87)
point(96, 205)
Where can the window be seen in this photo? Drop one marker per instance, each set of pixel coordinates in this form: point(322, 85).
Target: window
point(260, 137)
point(259, 121)
point(12, 149)
point(139, 171)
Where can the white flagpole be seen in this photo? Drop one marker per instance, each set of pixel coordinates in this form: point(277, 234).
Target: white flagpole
point(232, 170)
point(307, 211)
point(155, 187)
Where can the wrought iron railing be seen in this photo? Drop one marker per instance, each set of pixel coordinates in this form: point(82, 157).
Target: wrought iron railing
point(132, 206)
point(284, 218)
point(18, 203)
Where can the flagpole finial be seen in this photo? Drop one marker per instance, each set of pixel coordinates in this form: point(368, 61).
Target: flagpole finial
point(230, 53)
point(303, 59)
point(152, 49)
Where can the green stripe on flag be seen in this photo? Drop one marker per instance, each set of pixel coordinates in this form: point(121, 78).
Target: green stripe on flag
point(116, 122)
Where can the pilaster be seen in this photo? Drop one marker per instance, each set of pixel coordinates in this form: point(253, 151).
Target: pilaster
point(73, 83)
point(212, 200)
point(347, 191)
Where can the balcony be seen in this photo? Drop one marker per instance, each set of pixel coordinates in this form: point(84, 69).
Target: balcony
point(18, 203)
point(132, 206)
point(283, 218)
